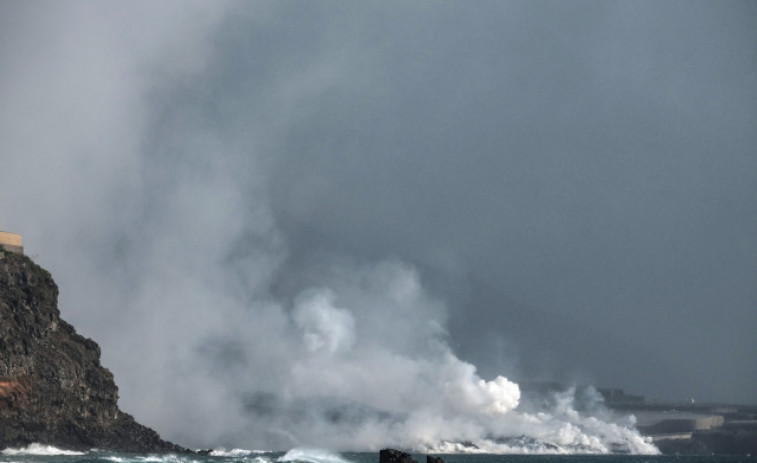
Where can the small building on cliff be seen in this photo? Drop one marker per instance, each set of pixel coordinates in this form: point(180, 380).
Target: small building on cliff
point(11, 242)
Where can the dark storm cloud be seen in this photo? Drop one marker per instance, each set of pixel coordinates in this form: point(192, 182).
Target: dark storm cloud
point(233, 197)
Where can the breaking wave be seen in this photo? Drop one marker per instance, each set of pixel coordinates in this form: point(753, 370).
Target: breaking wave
point(311, 456)
point(297, 455)
point(236, 453)
point(40, 450)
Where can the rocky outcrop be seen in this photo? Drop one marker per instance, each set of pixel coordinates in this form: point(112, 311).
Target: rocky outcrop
point(395, 456)
point(53, 389)
point(398, 456)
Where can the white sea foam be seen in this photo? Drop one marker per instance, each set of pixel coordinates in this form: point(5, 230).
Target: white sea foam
point(236, 453)
point(169, 458)
point(41, 450)
point(312, 456)
point(143, 459)
point(115, 459)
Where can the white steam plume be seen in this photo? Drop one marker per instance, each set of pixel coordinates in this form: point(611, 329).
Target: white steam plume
point(159, 227)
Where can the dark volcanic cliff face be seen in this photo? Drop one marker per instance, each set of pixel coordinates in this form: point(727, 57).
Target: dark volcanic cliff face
point(53, 389)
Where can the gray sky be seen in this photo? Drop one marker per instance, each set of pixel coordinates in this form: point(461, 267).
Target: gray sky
point(568, 190)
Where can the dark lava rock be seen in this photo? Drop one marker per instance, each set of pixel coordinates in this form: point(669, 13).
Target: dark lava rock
point(53, 389)
point(398, 456)
point(395, 456)
point(716, 441)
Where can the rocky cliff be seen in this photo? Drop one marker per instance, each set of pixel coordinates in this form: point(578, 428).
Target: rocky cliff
point(53, 389)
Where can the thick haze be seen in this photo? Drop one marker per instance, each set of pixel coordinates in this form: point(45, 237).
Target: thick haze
point(255, 208)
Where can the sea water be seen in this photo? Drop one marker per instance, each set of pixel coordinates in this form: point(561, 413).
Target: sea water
point(46, 454)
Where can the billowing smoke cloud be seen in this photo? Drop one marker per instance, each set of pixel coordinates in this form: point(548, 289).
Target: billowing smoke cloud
point(170, 165)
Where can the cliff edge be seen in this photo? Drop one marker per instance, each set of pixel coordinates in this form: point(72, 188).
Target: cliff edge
point(53, 389)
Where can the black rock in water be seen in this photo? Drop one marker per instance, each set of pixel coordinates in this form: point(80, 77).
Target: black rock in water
point(398, 456)
point(53, 389)
point(395, 456)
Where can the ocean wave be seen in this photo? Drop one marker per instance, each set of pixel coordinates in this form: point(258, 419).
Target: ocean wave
point(168, 458)
point(116, 459)
point(150, 458)
point(311, 456)
point(236, 453)
point(41, 450)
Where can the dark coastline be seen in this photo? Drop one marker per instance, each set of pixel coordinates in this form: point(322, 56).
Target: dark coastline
point(53, 389)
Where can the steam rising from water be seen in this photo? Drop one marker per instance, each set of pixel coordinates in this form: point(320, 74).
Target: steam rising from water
point(214, 337)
